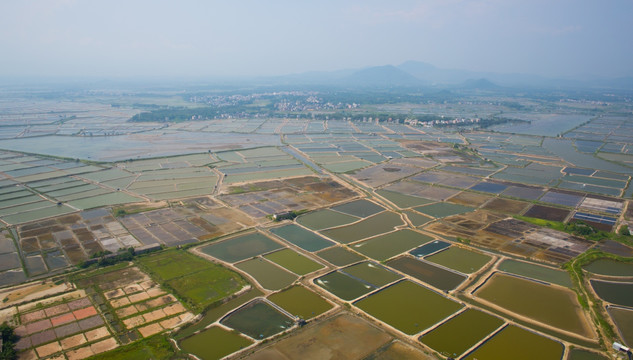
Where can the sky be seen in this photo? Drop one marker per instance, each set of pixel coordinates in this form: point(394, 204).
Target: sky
point(191, 38)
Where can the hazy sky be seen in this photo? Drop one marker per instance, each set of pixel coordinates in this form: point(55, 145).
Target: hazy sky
point(229, 38)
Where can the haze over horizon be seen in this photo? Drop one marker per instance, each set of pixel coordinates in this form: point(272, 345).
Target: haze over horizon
point(248, 38)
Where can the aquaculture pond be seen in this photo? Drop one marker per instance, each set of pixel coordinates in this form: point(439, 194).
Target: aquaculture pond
point(376, 275)
point(435, 276)
point(385, 246)
point(339, 256)
point(610, 267)
point(241, 247)
point(517, 343)
point(214, 343)
point(442, 209)
point(268, 275)
point(623, 319)
point(305, 239)
point(526, 297)
point(301, 302)
point(460, 259)
point(361, 208)
point(294, 261)
point(377, 224)
point(461, 332)
point(618, 293)
point(401, 200)
point(398, 350)
point(416, 218)
point(342, 337)
point(258, 320)
point(429, 248)
point(538, 272)
point(326, 218)
point(408, 307)
point(343, 286)
point(581, 354)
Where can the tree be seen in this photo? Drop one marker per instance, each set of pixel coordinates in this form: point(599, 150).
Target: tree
point(9, 338)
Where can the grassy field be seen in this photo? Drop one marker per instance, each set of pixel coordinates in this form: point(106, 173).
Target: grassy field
point(198, 282)
point(155, 348)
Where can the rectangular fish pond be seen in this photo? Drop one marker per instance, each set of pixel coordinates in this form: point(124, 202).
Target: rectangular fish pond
point(618, 293)
point(326, 218)
point(460, 259)
point(538, 272)
point(429, 248)
point(517, 343)
point(301, 302)
point(461, 332)
point(610, 267)
point(388, 245)
point(527, 298)
point(623, 319)
point(428, 273)
point(361, 208)
point(241, 247)
point(267, 274)
point(293, 261)
point(339, 256)
point(344, 286)
point(377, 224)
point(372, 273)
point(301, 237)
point(214, 343)
point(408, 307)
point(258, 319)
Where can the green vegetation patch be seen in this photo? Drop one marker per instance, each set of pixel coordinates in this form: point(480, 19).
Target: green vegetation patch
point(461, 332)
point(408, 307)
point(518, 344)
point(156, 347)
point(294, 261)
point(213, 314)
point(268, 275)
point(241, 247)
point(527, 297)
point(460, 259)
point(301, 302)
point(385, 246)
point(213, 343)
point(199, 282)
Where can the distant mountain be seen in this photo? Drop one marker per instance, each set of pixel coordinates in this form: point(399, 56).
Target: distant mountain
point(432, 74)
point(480, 84)
point(382, 76)
point(424, 75)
